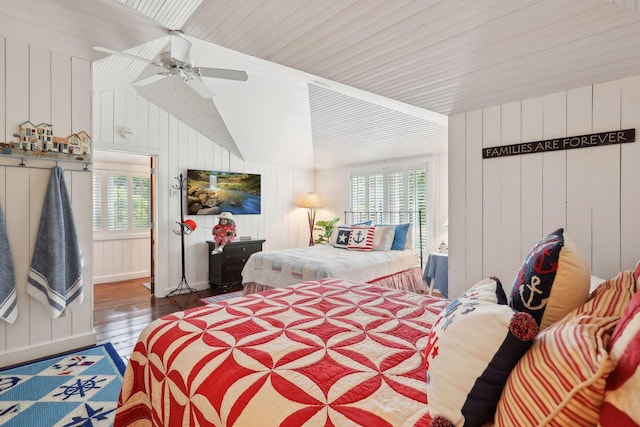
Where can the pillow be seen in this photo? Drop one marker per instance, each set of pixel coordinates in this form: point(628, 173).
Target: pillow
point(553, 280)
point(621, 400)
point(334, 233)
point(400, 237)
point(342, 236)
point(472, 347)
point(562, 377)
point(361, 238)
point(383, 237)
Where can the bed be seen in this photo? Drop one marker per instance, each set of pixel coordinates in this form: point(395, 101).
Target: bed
point(326, 352)
point(334, 352)
point(389, 261)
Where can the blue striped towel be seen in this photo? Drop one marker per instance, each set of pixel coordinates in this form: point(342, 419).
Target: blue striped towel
point(8, 304)
point(55, 277)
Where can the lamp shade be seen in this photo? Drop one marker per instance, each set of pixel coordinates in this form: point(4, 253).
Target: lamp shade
point(310, 200)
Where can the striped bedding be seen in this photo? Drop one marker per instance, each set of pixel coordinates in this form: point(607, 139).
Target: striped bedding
point(277, 268)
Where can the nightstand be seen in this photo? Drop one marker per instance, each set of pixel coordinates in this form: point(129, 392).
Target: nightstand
point(225, 268)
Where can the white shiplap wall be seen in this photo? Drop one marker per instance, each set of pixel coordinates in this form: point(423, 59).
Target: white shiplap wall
point(41, 85)
point(499, 208)
point(178, 148)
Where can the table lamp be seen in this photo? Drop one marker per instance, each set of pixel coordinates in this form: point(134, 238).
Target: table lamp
point(311, 201)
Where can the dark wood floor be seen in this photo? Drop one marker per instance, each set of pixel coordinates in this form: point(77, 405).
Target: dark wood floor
point(123, 309)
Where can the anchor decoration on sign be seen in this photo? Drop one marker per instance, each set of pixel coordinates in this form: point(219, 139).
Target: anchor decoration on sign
point(358, 237)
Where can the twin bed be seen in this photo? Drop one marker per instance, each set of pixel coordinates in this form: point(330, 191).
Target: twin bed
point(397, 268)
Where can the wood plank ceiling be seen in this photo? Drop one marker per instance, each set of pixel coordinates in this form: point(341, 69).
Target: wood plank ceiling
point(317, 67)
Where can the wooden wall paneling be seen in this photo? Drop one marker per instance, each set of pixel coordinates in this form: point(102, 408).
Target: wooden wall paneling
point(17, 86)
point(127, 254)
point(40, 86)
point(107, 119)
point(98, 259)
point(95, 120)
point(554, 180)
point(17, 183)
point(510, 195)
point(80, 95)
point(580, 164)
point(606, 179)
point(80, 190)
point(119, 117)
point(153, 114)
point(491, 204)
point(142, 131)
point(630, 175)
point(61, 95)
point(457, 206)
point(531, 176)
point(473, 199)
point(131, 115)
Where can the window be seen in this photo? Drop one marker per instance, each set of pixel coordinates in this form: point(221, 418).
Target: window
point(398, 195)
point(121, 201)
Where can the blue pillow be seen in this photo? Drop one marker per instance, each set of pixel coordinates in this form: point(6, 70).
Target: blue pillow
point(400, 238)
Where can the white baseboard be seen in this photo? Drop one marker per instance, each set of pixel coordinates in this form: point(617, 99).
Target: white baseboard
point(25, 354)
point(120, 277)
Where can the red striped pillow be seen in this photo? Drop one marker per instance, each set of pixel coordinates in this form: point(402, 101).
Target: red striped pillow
point(361, 238)
point(622, 397)
point(561, 379)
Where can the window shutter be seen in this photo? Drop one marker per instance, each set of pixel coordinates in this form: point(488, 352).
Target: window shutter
point(97, 202)
point(117, 202)
point(141, 202)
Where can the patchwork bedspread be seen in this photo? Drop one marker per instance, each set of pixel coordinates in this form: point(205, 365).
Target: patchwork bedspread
point(331, 352)
point(284, 267)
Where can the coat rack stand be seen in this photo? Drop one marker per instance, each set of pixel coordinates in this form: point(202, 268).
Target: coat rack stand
point(183, 286)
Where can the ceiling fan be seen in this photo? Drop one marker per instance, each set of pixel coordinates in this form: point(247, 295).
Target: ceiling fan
point(177, 63)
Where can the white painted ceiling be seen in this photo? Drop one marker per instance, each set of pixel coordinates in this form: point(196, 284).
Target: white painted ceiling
point(332, 80)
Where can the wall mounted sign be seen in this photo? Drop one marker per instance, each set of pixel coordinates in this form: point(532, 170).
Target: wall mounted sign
point(564, 143)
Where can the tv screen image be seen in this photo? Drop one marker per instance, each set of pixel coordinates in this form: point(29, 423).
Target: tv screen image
point(213, 192)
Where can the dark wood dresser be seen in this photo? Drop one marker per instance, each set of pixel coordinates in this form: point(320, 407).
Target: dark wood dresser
point(225, 268)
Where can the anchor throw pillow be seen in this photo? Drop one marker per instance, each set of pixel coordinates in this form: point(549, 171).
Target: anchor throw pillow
point(361, 238)
point(553, 280)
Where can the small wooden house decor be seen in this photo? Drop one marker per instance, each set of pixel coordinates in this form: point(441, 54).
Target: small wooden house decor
point(39, 141)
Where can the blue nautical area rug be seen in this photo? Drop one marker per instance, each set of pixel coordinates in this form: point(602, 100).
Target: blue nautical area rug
point(80, 388)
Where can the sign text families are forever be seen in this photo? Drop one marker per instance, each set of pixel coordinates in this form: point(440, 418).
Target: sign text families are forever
point(564, 143)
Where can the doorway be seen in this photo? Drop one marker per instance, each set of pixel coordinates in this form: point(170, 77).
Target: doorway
point(123, 218)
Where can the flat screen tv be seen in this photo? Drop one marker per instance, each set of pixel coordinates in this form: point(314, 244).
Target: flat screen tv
point(213, 192)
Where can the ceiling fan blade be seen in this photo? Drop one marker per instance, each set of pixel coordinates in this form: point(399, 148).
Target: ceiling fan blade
point(127, 55)
point(222, 73)
point(180, 47)
point(200, 87)
point(150, 79)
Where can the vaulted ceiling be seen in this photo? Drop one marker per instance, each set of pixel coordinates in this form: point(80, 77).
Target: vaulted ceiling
point(337, 81)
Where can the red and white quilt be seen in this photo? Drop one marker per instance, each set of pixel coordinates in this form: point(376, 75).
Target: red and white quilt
point(321, 353)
